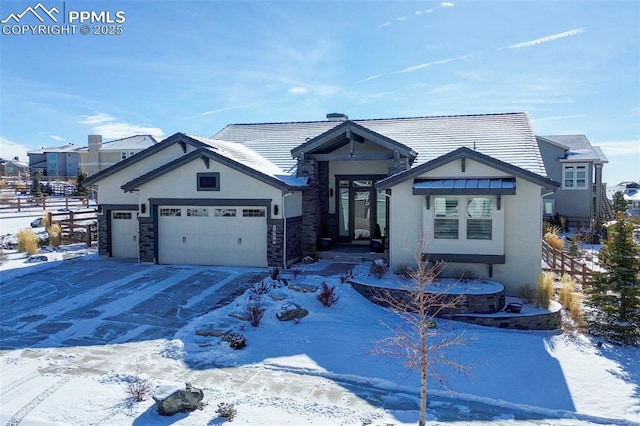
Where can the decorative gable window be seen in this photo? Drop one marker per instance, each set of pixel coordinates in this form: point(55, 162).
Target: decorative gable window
point(574, 176)
point(124, 155)
point(208, 181)
point(445, 224)
point(479, 218)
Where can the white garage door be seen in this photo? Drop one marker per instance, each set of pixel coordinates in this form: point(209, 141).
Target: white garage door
point(234, 236)
point(124, 234)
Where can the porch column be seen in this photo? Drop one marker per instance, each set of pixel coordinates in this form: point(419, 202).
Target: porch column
point(308, 167)
point(598, 195)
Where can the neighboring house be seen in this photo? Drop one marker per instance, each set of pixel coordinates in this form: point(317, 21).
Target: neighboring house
point(98, 156)
point(573, 161)
point(631, 193)
point(59, 162)
point(13, 167)
point(471, 185)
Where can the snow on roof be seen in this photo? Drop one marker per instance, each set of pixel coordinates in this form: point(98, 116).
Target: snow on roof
point(246, 156)
point(137, 142)
point(70, 147)
point(580, 149)
point(508, 137)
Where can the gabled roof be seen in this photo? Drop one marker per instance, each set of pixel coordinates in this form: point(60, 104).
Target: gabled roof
point(508, 137)
point(461, 153)
point(221, 152)
point(340, 135)
point(578, 148)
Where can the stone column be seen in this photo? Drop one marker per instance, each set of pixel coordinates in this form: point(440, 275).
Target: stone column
point(310, 207)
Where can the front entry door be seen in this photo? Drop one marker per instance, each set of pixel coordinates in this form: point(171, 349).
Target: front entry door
point(361, 209)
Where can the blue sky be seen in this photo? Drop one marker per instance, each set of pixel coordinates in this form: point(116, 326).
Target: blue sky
point(195, 66)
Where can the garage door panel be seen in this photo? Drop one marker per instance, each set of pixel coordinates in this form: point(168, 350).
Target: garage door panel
point(227, 235)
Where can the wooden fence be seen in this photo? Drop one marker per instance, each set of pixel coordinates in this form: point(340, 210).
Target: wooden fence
point(560, 263)
point(42, 203)
point(76, 226)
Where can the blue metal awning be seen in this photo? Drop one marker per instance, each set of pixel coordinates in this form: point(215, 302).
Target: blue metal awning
point(477, 186)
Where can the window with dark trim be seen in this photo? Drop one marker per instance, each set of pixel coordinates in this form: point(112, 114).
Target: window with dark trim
point(122, 215)
point(254, 212)
point(209, 181)
point(446, 218)
point(479, 222)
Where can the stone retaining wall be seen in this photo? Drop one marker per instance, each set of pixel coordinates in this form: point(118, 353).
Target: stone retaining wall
point(546, 321)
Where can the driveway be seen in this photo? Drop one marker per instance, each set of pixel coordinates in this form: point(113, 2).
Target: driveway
point(86, 302)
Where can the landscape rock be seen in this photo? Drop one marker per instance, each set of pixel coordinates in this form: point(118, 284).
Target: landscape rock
point(37, 258)
point(291, 311)
point(308, 260)
point(171, 399)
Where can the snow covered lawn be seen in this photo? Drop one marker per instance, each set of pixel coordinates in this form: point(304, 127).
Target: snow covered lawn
point(75, 332)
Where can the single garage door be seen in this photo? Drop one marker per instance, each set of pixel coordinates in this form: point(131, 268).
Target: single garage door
point(234, 236)
point(124, 234)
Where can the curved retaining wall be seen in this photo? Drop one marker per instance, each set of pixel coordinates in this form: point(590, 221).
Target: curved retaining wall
point(480, 309)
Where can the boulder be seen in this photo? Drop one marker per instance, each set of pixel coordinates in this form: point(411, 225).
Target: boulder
point(308, 260)
point(291, 311)
point(172, 399)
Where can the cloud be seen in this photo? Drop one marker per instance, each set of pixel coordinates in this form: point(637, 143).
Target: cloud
point(97, 119)
point(109, 127)
point(446, 4)
point(422, 66)
point(386, 24)
point(622, 148)
point(57, 138)
point(216, 111)
point(546, 39)
point(557, 117)
point(373, 77)
point(10, 149)
point(298, 90)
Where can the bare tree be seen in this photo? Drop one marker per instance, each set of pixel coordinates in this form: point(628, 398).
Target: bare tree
point(417, 340)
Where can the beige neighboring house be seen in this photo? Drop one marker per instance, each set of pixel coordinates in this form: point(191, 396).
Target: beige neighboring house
point(266, 194)
point(99, 155)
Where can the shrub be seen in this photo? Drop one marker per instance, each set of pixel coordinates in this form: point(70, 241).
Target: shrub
point(260, 288)
point(255, 311)
point(226, 410)
point(545, 289)
point(573, 246)
point(27, 241)
point(139, 388)
point(571, 299)
point(527, 293)
point(296, 272)
point(275, 273)
point(405, 271)
point(378, 268)
point(328, 296)
point(55, 234)
point(346, 277)
point(236, 340)
point(554, 240)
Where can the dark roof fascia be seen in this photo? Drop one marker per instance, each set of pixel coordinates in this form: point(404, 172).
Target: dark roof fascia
point(170, 141)
point(474, 155)
point(358, 129)
point(208, 153)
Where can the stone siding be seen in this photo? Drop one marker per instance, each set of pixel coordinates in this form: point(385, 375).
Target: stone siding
point(275, 251)
point(103, 234)
point(146, 243)
point(294, 242)
point(547, 321)
point(310, 207)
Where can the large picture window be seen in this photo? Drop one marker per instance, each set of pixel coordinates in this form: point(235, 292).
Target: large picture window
point(574, 176)
point(479, 218)
point(446, 218)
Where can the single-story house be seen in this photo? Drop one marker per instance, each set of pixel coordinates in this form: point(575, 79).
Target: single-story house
point(577, 165)
point(263, 194)
point(13, 167)
point(631, 193)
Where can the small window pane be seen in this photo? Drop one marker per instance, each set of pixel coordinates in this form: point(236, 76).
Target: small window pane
point(446, 222)
point(170, 212)
point(479, 207)
point(225, 212)
point(362, 183)
point(209, 181)
point(253, 213)
point(479, 229)
point(343, 184)
point(122, 215)
point(198, 212)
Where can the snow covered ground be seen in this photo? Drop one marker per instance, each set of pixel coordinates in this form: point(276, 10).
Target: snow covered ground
point(74, 333)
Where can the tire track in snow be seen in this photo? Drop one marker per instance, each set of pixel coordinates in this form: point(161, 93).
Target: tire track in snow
point(28, 407)
point(5, 391)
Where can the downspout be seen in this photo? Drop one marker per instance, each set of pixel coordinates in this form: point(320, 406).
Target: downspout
point(284, 230)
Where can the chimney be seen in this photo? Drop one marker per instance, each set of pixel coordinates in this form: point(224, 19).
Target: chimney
point(337, 116)
point(95, 142)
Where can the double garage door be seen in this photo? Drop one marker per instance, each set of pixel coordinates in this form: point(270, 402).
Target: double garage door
point(233, 235)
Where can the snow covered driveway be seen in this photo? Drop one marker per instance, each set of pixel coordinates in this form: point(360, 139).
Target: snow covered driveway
point(91, 301)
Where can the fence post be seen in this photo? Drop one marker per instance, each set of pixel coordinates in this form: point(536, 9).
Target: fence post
point(66, 201)
point(19, 204)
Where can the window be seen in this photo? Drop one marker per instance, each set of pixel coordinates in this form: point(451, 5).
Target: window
point(446, 218)
point(253, 213)
point(574, 176)
point(124, 154)
point(170, 212)
point(224, 213)
point(478, 218)
point(548, 207)
point(209, 181)
point(122, 215)
point(198, 212)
